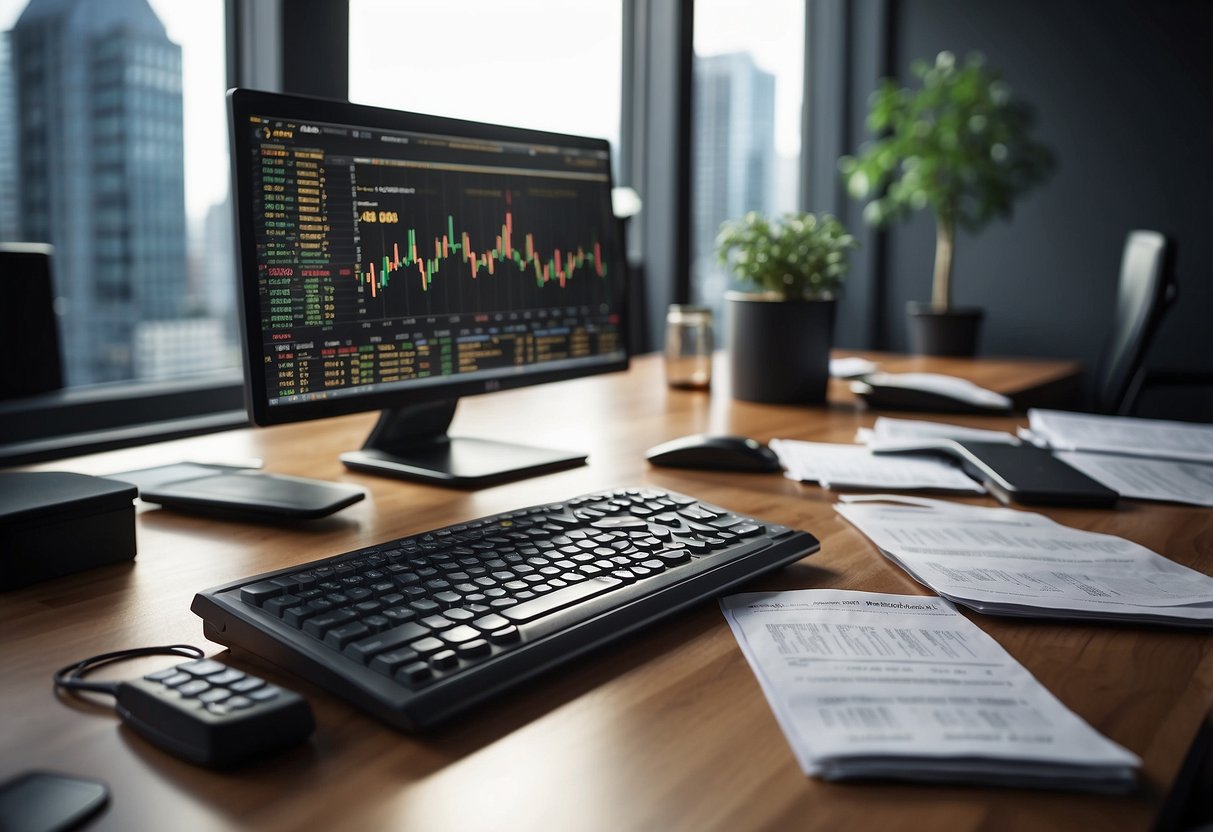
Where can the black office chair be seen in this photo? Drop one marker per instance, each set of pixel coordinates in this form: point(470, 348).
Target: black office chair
point(1147, 289)
point(29, 339)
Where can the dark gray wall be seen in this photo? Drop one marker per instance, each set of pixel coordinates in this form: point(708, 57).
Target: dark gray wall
point(1123, 91)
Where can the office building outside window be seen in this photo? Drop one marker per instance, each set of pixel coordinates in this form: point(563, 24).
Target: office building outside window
point(747, 79)
point(113, 149)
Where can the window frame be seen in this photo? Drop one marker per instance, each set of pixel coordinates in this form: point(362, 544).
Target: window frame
point(71, 421)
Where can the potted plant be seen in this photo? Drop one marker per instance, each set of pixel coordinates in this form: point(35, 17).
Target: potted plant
point(780, 335)
point(961, 146)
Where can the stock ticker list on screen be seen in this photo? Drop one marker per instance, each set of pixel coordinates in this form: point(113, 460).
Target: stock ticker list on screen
point(387, 257)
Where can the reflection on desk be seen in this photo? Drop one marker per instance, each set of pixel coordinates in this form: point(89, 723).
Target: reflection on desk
point(665, 730)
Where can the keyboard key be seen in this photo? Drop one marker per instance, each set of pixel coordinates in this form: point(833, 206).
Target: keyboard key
point(247, 684)
point(460, 634)
point(673, 557)
point(177, 679)
point(448, 598)
point(190, 689)
point(437, 622)
point(227, 677)
point(388, 663)
point(202, 667)
point(506, 635)
point(426, 646)
point(414, 673)
point(490, 622)
point(444, 660)
point(385, 641)
point(561, 598)
point(295, 616)
point(238, 703)
point(321, 624)
point(265, 694)
point(275, 606)
point(215, 695)
point(258, 593)
point(339, 637)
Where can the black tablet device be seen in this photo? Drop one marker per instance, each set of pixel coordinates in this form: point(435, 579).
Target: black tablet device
point(1019, 473)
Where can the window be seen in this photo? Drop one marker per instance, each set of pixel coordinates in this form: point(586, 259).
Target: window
point(113, 148)
point(543, 64)
point(747, 79)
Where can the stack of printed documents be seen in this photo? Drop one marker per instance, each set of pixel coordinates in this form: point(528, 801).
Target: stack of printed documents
point(904, 687)
point(855, 466)
point(1006, 562)
point(1147, 459)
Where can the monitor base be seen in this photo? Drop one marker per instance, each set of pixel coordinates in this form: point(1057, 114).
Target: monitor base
point(464, 462)
point(412, 443)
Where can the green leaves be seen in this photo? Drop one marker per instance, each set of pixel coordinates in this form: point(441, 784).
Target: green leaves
point(960, 145)
point(798, 256)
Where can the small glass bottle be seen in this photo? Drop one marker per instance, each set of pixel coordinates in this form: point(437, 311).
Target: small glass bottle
point(688, 347)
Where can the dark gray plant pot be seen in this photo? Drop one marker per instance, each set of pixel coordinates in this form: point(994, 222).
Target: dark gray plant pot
point(953, 333)
point(779, 351)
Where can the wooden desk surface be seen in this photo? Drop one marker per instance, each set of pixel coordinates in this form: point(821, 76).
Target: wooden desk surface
point(666, 730)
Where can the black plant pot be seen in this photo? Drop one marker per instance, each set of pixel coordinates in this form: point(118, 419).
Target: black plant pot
point(779, 351)
point(952, 333)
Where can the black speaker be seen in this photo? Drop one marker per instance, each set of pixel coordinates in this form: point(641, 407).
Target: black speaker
point(29, 337)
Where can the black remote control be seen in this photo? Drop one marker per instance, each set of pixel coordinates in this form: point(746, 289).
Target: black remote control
point(208, 713)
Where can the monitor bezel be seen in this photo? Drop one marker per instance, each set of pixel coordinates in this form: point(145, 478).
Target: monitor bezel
point(243, 103)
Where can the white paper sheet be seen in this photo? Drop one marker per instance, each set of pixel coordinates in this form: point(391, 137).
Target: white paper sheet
point(854, 466)
point(886, 429)
point(1154, 438)
point(1010, 562)
point(851, 366)
point(1171, 480)
point(903, 686)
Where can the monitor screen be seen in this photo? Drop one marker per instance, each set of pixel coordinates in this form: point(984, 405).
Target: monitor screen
point(391, 259)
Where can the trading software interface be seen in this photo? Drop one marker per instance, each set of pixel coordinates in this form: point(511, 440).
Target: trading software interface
point(389, 258)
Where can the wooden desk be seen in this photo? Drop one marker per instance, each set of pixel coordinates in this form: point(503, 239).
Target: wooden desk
point(1028, 383)
point(666, 730)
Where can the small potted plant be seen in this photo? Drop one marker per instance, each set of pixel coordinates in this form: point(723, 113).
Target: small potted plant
point(780, 335)
point(961, 146)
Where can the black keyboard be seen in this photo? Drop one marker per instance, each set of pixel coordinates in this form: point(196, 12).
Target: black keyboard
point(418, 629)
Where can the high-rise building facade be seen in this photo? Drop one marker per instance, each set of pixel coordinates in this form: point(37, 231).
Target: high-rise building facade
point(9, 228)
point(733, 157)
point(101, 171)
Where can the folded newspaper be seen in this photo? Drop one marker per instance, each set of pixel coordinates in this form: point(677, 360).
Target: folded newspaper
point(900, 686)
point(1006, 562)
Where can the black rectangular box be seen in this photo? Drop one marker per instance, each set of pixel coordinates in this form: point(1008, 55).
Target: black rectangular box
point(54, 523)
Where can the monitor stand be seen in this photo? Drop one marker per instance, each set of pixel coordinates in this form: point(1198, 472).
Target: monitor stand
point(411, 442)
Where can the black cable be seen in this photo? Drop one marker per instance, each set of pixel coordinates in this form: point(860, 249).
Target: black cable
point(70, 677)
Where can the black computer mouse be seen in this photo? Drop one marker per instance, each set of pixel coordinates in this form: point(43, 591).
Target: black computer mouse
point(720, 453)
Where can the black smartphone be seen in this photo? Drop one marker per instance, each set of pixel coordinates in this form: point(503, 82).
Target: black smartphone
point(1031, 475)
point(43, 801)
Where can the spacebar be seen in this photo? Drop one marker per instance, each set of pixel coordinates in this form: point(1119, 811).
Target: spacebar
point(544, 604)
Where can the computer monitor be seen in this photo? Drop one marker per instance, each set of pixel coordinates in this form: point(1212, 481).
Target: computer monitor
point(394, 261)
